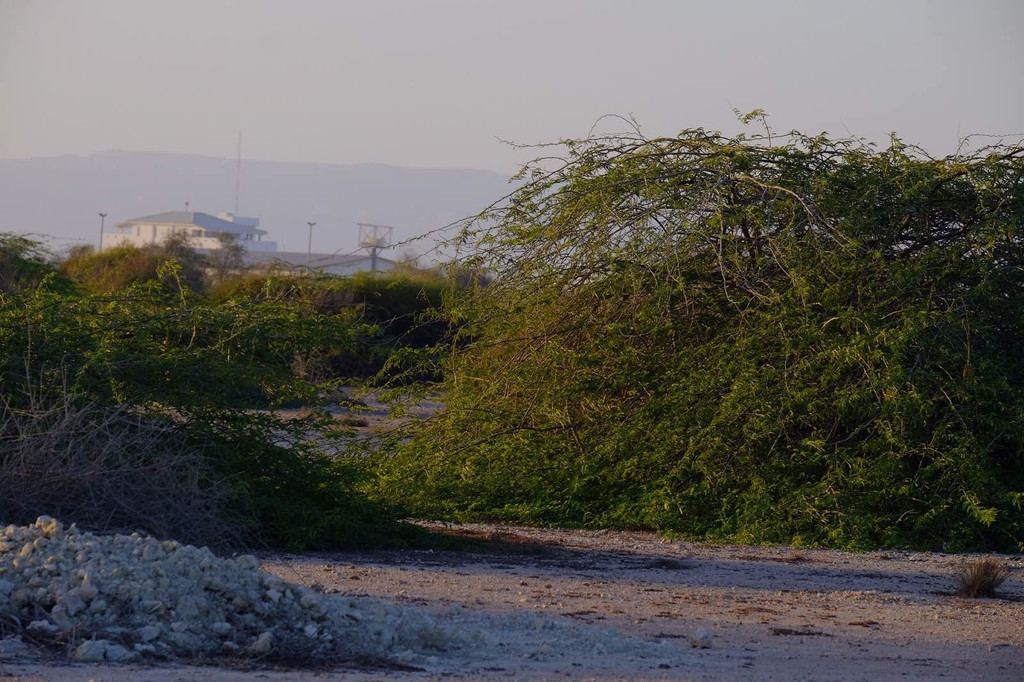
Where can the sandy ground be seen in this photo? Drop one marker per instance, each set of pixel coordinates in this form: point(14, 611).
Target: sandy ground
point(775, 613)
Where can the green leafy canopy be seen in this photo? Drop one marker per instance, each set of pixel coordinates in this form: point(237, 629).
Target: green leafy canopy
point(759, 338)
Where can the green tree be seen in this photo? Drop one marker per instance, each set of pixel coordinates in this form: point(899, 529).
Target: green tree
point(194, 379)
point(760, 338)
point(117, 268)
point(24, 263)
point(229, 259)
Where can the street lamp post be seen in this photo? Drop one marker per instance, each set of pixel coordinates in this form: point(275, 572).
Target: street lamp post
point(309, 248)
point(103, 217)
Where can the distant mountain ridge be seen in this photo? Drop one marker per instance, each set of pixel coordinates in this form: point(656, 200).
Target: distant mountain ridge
point(62, 196)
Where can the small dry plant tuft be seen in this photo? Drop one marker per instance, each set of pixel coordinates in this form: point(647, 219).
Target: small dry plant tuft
point(981, 577)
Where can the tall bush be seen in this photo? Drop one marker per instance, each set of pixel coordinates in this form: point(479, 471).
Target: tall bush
point(753, 338)
point(24, 264)
point(99, 391)
point(400, 307)
point(120, 267)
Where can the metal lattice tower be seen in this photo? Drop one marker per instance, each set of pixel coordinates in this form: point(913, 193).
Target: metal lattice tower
point(374, 238)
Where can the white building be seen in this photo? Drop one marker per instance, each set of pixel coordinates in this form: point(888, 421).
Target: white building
point(202, 231)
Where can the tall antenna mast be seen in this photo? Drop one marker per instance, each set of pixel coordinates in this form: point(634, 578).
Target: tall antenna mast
point(374, 238)
point(238, 171)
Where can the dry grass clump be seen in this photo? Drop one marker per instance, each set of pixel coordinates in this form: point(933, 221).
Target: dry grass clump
point(109, 470)
point(981, 578)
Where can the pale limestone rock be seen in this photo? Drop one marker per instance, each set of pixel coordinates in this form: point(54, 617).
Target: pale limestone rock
point(115, 653)
point(72, 603)
point(59, 615)
point(247, 562)
point(221, 628)
point(42, 627)
point(147, 633)
point(263, 644)
point(91, 651)
point(86, 591)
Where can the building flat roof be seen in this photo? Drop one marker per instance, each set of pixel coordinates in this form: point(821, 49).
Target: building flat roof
point(196, 218)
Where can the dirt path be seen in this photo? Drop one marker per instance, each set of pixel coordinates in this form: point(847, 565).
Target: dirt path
point(774, 613)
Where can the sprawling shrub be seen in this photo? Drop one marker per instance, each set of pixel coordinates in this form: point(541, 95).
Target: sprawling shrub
point(399, 306)
point(24, 264)
point(113, 406)
point(754, 339)
point(120, 267)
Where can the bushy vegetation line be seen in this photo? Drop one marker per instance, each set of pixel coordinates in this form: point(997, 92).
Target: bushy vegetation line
point(23, 263)
point(782, 339)
point(104, 385)
point(117, 268)
point(397, 305)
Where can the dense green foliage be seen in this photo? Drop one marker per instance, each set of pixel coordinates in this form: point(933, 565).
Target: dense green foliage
point(787, 340)
point(116, 268)
point(24, 264)
point(392, 309)
point(397, 305)
point(180, 360)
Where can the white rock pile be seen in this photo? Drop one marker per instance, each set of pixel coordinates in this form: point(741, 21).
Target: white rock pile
point(122, 597)
point(134, 595)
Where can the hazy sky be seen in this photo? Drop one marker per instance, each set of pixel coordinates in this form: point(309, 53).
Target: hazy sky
point(436, 83)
